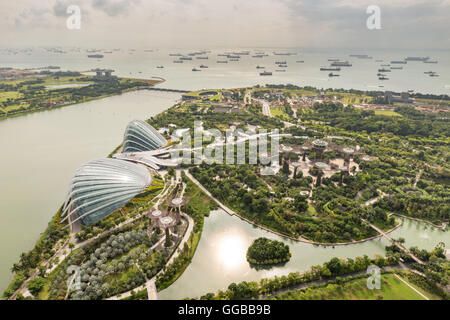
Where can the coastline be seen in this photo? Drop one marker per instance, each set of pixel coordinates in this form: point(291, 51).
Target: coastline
point(41, 109)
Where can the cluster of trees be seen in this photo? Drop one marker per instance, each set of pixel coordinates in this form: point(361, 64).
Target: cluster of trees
point(264, 251)
point(333, 268)
point(350, 118)
point(118, 255)
point(241, 189)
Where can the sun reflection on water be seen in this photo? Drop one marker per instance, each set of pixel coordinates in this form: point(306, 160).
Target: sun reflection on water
point(231, 250)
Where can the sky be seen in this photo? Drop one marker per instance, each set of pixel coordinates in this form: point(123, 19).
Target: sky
point(405, 24)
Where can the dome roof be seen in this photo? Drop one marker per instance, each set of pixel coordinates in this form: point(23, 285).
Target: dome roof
point(99, 187)
point(140, 136)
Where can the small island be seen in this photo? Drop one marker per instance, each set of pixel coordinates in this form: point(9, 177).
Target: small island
point(264, 251)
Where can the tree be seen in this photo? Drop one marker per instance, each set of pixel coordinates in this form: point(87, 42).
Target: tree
point(36, 285)
point(300, 203)
point(168, 241)
point(285, 169)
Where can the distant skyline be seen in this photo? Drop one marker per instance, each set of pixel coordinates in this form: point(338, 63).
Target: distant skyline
point(413, 24)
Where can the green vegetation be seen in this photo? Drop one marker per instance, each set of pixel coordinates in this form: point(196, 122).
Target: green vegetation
point(392, 288)
point(198, 207)
point(331, 269)
point(32, 94)
point(264, 251)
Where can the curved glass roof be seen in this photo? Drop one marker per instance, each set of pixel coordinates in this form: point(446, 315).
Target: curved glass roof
point(140, 136)
point(99, 187)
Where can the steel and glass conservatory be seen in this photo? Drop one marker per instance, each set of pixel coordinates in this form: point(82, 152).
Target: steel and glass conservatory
point(100, 187)
point(140, 136)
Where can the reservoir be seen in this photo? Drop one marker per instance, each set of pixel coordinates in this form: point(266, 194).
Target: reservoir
point(40, 152)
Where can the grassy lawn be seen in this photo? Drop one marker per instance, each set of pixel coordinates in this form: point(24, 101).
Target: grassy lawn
point(392, 288)
point(279, 112)
point(9, 95)
point(388, 113)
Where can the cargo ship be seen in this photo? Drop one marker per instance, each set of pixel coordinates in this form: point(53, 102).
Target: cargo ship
point(222, 61)
point(203, 66)
point(259, 67)
point(423, 59)
point(96, 56)
point(330, 69)
point(265, 73)
point(360, 56)
point(384, 70)
point(331, 74)
point(194, 69)
point(399, 62)
point(341, 64)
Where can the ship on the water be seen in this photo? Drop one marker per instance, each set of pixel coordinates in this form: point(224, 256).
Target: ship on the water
point(422, 59)
point(361, 56)
point(399, 62)
point(330, 69)
point(341, 64)
point(96, 56)
point(384, 70)
point(265, 73)
point(331, 74)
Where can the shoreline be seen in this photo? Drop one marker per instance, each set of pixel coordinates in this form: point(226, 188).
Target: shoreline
point(41, 109)
point(443, 226)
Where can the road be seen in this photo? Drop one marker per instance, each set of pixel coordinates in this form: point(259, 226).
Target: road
point(265, 108)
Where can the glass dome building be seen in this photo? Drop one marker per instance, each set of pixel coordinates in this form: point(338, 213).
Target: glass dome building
point(140, 136)
point(100, 187)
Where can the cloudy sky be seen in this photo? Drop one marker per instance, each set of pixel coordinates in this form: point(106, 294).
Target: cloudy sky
point(405, 24)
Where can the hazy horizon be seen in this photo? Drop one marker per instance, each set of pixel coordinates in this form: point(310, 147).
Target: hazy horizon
point(318, 24)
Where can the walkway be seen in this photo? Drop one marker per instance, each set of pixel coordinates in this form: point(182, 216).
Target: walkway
point(152, 292)
point(398, 245)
